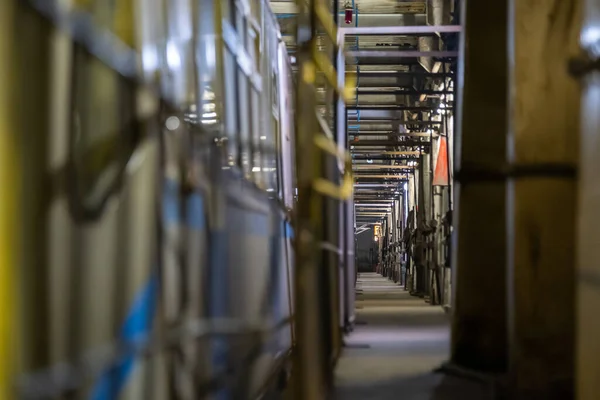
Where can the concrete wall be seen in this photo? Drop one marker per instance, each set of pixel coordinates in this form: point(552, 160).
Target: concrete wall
point(364, 243)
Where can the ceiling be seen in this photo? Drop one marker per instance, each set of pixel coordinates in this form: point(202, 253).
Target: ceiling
point(386, 141)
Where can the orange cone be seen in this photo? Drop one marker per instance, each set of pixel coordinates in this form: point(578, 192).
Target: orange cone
point(440, 176)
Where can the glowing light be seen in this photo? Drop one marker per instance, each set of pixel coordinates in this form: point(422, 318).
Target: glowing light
point(172, 123)
point(173, 56)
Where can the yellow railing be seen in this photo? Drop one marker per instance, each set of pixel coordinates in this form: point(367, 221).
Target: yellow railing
point(9, 184)
point(328, 188)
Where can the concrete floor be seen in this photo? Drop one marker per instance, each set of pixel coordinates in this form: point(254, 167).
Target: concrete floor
point(397, 342)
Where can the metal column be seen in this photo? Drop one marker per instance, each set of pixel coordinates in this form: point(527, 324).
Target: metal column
point(588, 251)
point(9, 202)
point(479, 298)
point(542, 189)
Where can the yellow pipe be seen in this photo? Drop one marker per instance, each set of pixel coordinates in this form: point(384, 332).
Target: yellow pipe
point(9, 182)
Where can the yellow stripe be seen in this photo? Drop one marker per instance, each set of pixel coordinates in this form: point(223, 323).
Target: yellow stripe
point(124, 23)
point(9, 182)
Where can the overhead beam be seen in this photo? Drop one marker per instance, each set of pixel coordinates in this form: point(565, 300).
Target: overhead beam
point(400, 30)
point(380, 121)
point(400, 54)
point(399, 92)
point(363, 167)
point(390, 108)
point(392, 134)
point(397, 74)
point(390, 143)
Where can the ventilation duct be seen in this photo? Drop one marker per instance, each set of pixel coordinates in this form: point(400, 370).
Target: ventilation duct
point(438, 13)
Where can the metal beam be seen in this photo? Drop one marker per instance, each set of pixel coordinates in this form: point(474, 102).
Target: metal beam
point(400, 54)
point(391, 143)
point(379, 121)
point(383, 158)
point(366, 167)
point(400, 92)
point(397, 74)
point(393, 134)
point(400, 30)
point(391, 108)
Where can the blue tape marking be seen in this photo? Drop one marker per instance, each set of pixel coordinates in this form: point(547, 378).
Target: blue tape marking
point(170, 208)
point(219, 301)
point(288, 232)
point(195, 212)
point(135, 330)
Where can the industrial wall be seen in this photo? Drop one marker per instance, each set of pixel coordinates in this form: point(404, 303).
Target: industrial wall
point(366, 251)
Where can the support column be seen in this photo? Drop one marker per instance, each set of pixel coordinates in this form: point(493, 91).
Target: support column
point(544, 121)
point(588, 234)
point(9, 204)
point(479, 308)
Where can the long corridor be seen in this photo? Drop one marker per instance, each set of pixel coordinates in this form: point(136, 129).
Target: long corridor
point(398, 342)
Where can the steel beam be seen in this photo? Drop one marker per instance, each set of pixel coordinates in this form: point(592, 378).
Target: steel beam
point(383, 158)
point(397, 74)
point(400, 54)
point(389, 143)
point(400, 30)
point(393, 134)
point(390, 108)
point(379, 121)
point(400, 92)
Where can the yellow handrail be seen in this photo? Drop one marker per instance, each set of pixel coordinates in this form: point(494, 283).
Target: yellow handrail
point(324, 65)
point(9, 182)
point(324, 17)
point(328, 188)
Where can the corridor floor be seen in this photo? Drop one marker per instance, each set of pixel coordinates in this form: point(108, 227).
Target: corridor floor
point(397, 342)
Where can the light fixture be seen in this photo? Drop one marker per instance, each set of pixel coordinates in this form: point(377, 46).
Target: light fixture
point(172, 123)
point(369, 161)
point(348, 13)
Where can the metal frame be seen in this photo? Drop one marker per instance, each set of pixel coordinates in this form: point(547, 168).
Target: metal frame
point(401, 30)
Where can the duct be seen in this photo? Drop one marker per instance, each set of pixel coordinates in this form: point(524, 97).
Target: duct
point(438, 13)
